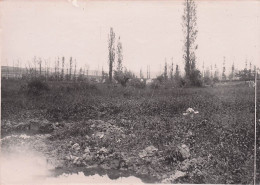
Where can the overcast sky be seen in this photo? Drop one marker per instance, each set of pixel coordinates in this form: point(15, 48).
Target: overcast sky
point(150, 31)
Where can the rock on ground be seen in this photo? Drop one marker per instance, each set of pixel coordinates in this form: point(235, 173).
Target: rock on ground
point(174, 177)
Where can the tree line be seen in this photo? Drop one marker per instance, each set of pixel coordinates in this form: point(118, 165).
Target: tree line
point(189, 27)
point(192, 76)
point(117, 72)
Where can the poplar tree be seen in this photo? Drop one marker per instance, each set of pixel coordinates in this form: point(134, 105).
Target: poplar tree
point(111, 53)
point(190, 31)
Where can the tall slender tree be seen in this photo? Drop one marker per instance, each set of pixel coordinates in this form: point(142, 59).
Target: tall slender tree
point(55, 69)
point(190, 31)
point(48, 67)
point(203, 70)
point(177, 72)
point(141, 73)
point(62, 68)
point(87, 72)
point(75, 70)
point(45, 71)
point(224, 69)
point(111, 52)
point(165, 70)
point(149, 73)
point(35, 66)
point(250, 71)
point(232, 71)
point(58, 68)
point(171, 70)
point(216, 72)
point(119, 56)
point(70, 75)
point(211, 71)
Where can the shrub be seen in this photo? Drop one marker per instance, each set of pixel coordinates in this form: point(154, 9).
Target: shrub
point(36, 87)
point(207, 80)
point(215, 79)
point(180, 82)
point(160, 78)
point(128, 91)
point(123, 77)
point(194, 79)
point(137, 83)
point(169, 84)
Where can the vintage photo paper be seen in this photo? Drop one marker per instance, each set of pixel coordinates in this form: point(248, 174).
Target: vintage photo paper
point(129, 92)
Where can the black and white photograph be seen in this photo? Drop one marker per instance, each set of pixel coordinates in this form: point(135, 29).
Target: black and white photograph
point(130, 92)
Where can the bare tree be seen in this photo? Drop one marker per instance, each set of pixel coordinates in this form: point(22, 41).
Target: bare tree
point(141, 73)
point(18, 68)
point(250, 69)
point(62, 68)
point(40, 65)
point(75, 70)
point(216, 72)
point(45, 71)
point(119, 56)
point(231, 77)
point(70, 75)
point(58, 68)
point(7, 69)
point(224, 69)
point(111, 52)
point(190, 32)
point(147, 76)
point(35, 66)
point(80, 71)
point(55, 69)
point(165, 71)
point(211, 72)
point(67, 74)
point(171, 71)
point(84, 71)
point(177, 72)
point(149, 73)
point(203, 70)
point(48, 67)
point(87, 72)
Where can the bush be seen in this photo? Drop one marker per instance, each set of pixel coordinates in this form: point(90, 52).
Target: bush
point(180, 82)
point(160, 78)
point(207, 80)
point(36, 87)
point(128, 91)
point(194, 79)
point(123, 77)
point(154, 84)
point(137, 83)
point(170, 84)
point(175, 83)
point(215, 79)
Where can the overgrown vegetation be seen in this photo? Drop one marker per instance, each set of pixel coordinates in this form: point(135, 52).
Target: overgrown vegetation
point(36, 87)
point(220, 137)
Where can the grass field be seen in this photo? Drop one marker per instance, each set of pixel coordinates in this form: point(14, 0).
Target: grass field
point(124, 121)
